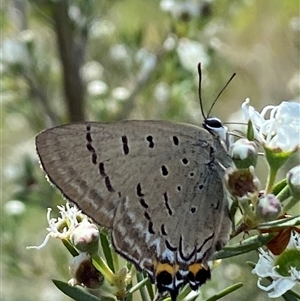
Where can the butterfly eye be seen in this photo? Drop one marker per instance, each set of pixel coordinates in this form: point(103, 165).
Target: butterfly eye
point(213, 123)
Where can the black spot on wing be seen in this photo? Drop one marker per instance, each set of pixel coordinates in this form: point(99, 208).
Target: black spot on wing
point(164, 171)
point(175, 140)
point(149, 138)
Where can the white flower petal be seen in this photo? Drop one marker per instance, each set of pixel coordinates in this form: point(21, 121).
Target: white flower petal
point(281, 130)
point(264, 265)
point(280, 287)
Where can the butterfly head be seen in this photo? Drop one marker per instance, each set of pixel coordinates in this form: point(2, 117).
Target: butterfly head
point(215, 127)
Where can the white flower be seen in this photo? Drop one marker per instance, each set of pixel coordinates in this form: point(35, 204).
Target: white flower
point(273, 266)
point(178, 8)
point(14, 52)
point(63, 226)
point(190, 52)
point(14, 207)
point(97, 87)
point(281, 131)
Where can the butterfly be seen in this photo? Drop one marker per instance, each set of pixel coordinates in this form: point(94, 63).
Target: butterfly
point(157, 186)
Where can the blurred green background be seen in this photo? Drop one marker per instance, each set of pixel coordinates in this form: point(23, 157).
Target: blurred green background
point(64, 61)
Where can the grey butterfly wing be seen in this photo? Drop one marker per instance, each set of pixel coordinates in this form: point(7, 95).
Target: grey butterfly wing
point(177, 210)
point(155, 184)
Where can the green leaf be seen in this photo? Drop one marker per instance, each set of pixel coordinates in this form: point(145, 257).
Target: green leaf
point(107, 251)
point(141, 286)
point(279, 186)
point(280, 223)
point(247, 245)
point(76, 293)
point(291, 296)
point(150, 289)
point(225, 292)
point(70, 247)
point(250, 131)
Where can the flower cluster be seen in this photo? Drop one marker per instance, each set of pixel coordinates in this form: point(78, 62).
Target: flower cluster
point(81, 237)
point(277, 131)
point(284, 269)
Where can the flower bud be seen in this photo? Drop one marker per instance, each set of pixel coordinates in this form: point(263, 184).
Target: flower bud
point(84, 273)
point(244, 153)
point(268, 207)
point(293, 179)
point(85, 237)
point(242, 183)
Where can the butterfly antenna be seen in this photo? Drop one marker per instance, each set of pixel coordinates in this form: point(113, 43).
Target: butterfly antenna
point(199, 91)
point(235, 123)
point(230, 79)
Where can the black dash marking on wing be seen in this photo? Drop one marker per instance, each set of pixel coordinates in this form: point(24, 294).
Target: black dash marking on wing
point(125, 145)
point(108, 184)
point(169, 246)
point(206, 241)
point(186, 258)
point(166, 198)
point(147, 216)
point(89, 137)
point(150, 227)
point(163, 230)
point(89, 145)
point(143, 203)
point(102, 169)
point(150, 223)
point(139, 190)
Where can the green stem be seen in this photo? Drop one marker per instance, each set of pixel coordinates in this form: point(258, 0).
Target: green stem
point(284, 194)
point(271, 179)
point(279, 186)
point(142, 289)
point(115, 259)
point(248, 212)
point(226, 291)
